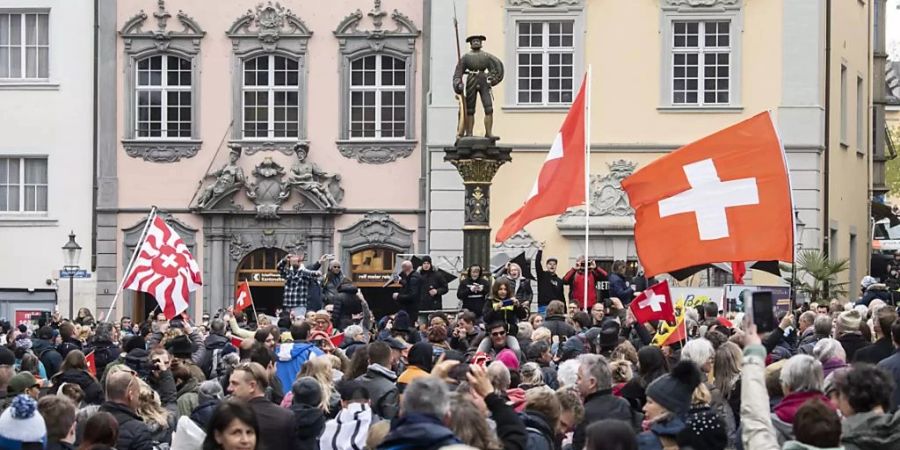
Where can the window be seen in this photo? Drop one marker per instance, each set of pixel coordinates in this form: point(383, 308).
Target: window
point(378, 97)
point(843, 105)
point(163, 97)
point(701, 62)
point(860, 116)
point(24, 45)
point(271, 95)
point(545, 62)
point(23, 184)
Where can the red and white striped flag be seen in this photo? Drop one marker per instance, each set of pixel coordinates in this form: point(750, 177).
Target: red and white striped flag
point(164, 268)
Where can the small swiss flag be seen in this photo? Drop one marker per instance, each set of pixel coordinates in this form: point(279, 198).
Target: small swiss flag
point(242, 297)
point(91, 363)
point(654, 304)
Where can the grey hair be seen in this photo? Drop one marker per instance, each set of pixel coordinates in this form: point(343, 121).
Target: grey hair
point(568, 372)
point(352, 332)
point(499, 375)
point(427, 395)
point(525, 331)
point(532, 374)
point(699, 351)
point(828, 348)
point(802, 373)
point(598, 368)
point(822, 325)
point(103, 332)
point(808, 317)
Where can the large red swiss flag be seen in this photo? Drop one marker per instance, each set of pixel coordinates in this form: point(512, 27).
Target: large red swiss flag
point(726, 197)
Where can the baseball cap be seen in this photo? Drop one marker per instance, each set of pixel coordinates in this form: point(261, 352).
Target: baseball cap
point(22, 381)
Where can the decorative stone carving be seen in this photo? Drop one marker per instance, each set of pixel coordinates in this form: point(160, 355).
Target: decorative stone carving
point(228, 180)
point(161, 36)
point(522, 240)
point(161, 151)
point(544, 3)
point(607, 196)
point(477, 170)
point(269, 191)
point(349, 26)
point(374, 152)
point(269, 239)
point(251, 148)
point(295, 245)
point(239, 247)
point(269, 24)
point(701, 3)
point(376, 229)
point(323, 188)
point(477, 210)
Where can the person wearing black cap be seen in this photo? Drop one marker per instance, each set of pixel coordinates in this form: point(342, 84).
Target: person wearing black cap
point(483, 71)
point(46, 352)
point(668, 402)
point(433, 285)
point(550, 285)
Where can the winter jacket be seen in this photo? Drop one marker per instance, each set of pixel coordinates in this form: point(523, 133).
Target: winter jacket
point(851, 343)
point(383, 393)
point(331, 286)
point(871, 431)
point(550, 285)
point(133, 433)
point(471, 300)
point(467, 342)
point(105, 352)
point(276, 425)
point(163, 433)
point(408, 376)
point(309, 421)
point(875, 291)
point(874, 353)
point(619, 288)
point(187, 398)
point(599, 406)
point(48, 355)
point(662, 435)
point(558, 327)
point(494, 311)
point(93, 392)
point(808, 341)
point(290, 358)
point(575, 280)
point(203, 413)
point(346, 305)
point(67, 346)
point(521, 287)
point(349, 430)
point(892, 366)
point(410, 294)
point(418, 432)
point(164, 384)
point(704, 429)
point(432, 279)
point(349, 347)
point(540, 435)
point(214, 344)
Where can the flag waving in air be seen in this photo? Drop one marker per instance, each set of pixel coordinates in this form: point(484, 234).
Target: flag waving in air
point(560, 183)
point(655, 303)
point(242, 297)
point(164, 268)
point(91, 363)
point(726, 197)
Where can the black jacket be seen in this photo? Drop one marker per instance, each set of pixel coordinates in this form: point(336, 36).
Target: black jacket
point(523, 291)
point(276, 425)
point(468, 342)
point(599, 406)
point(432, 279)
point(471, 300)
point(105, 352)
point(164, 385)
point(891, 365)
point(558, 327)
point(510, 428)
point(48, 355)
point(501, 314)
point(309, 422)
point(540, 435)
point(133, 433)
point(851, 343)
point(93, 393)
point(410, 292)
point(346, 304)
point(874, 353)
point(67, 346)
point(213, 342)
point(550, 285)
point(419, 432)
point(383, 392)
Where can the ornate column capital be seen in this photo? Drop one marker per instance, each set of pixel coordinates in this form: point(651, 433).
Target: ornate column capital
point(477, 170)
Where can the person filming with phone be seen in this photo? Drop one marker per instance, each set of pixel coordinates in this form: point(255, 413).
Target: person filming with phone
point(576, 279)
point(297, 281)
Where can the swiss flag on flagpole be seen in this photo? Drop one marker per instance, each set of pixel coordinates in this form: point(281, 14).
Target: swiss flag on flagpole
point(165, 268)
point(91, 363)
point(560, 182)
point(242, 297)
point(655, 303)
point(726, 197)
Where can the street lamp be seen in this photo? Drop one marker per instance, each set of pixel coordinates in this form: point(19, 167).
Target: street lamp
point(71, 255)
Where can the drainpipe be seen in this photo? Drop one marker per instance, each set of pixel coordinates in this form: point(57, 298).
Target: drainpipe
point(94, 140)
point(825, 218)
point(425, 179)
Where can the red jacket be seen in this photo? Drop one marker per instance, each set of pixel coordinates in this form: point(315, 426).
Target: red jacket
point(575, 280)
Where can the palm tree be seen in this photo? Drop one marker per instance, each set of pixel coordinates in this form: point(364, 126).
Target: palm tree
point(817, 276)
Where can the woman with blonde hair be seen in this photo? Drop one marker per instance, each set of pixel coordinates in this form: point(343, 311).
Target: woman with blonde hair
point(319, 369)
point(469, 425)
point(151, 412)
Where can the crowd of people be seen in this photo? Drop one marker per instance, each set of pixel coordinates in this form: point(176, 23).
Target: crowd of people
point(500, 373)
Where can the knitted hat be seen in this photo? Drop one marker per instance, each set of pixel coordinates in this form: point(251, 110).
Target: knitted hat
point(21, 424)
point(23, 343)
point(609, 335)
point(704, 430)
point(180, 347)
point(508, 358)
point(402, 321)
point(209, 390)
point(426, 259)
point(573, 347)
point(867, 281)
point(673, 391)
point(307, 392)
point(849, 321)
point(20, 382)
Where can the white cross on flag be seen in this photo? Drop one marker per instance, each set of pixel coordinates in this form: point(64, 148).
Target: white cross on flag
point(242, 297)
point(164, 268)
point(654, 304)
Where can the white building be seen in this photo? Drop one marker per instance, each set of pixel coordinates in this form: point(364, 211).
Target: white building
point(46, 151)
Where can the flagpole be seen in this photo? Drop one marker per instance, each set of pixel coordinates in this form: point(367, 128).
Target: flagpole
point(252, 303)
point(587, 182)
point(137, 249)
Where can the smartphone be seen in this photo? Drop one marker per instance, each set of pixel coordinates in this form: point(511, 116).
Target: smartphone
point(507, 302)
point(762, 311)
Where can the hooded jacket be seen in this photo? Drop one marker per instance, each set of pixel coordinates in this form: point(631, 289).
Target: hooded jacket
point(385, 398)
point(48, 355)
point(93, 393)
point(309, 421)
point(418, 432)
point(877, 290)
point(558, 327)
point(290, 358)
point(851, 343)
point(213, 342)
point(349, 430)
point(471, 297)
point(871, 431)
point(432, 279)
point(666, 430)
point(540, 435)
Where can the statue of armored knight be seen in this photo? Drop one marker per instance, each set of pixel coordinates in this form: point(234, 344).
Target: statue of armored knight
point(483, 71)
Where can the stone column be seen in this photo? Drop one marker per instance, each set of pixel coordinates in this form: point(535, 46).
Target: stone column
point(477, 160)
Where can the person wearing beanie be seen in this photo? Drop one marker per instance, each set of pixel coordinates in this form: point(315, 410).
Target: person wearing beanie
point(309, 419)
point(433, 285)
point(420, 359)
point(848, 334)
point(508, 358)
point(21, 426)
point(668, 402)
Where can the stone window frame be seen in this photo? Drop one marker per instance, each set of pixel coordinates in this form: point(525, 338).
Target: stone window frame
point(269, 29)
point(355, 43)
point(376, 229)
point(139, 44)
point(542, 11)
point(701, 10)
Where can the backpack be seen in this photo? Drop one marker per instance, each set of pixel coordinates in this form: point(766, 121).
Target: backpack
point(217, 365)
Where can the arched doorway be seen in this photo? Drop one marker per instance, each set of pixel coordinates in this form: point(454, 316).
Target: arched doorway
point(266, 285)
point(371, 269)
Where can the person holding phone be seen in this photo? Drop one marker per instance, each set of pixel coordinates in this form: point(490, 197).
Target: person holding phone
point(504, 307)
point(473, 290)
point(585, 271)
point(297, 281)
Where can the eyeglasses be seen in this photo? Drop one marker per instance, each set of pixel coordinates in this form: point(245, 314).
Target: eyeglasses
point(498, 333)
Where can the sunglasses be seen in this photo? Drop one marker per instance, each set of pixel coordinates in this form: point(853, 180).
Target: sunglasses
point(498, 333)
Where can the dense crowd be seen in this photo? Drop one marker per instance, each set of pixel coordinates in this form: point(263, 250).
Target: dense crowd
point(511, 369)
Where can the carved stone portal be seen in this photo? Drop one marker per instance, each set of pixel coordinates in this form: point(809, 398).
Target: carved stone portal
point(269, 191)
point(607, 196)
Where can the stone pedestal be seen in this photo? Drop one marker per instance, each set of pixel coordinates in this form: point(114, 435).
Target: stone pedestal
point(477, 160)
